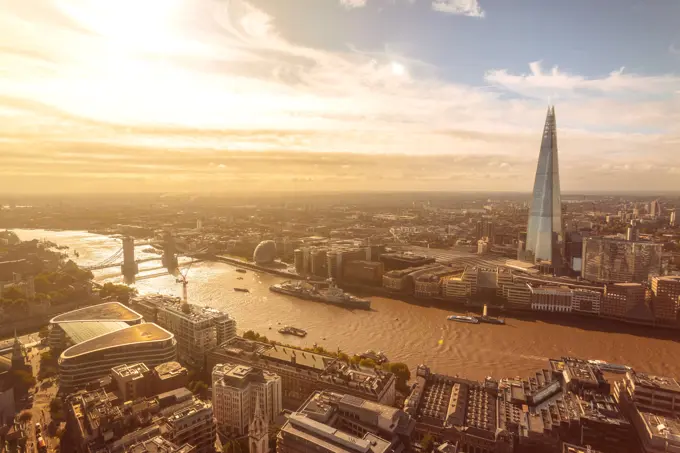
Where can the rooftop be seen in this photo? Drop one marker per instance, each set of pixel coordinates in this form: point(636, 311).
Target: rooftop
point(299, 357)
point(657, 382)
point(139, 333)
point(137, 369)
point(110, 311)
point(169, 369)
point(79, 331)
point(240, 376)
point(331, 439)
point(570, 448)
point(174, 304)
point(159, 445)
point(660, 426)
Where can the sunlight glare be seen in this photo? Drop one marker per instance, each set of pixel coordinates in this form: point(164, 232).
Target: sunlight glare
point(398, 69)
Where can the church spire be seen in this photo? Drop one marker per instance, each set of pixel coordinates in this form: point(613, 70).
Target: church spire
point(258, 437)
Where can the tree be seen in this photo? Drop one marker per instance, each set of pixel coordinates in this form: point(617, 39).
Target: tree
point(122, 293)
point(25, 416)
point(13, 293)
point(186, 308)
point(367, 363)
point(25, 377)
point(57, 409)
point(343, 357)
point(427, 443)
point(44, 332)
point(254, 336)
point(402, 373)
point(235, 446)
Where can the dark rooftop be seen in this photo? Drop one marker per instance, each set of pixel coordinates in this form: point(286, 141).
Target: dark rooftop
point(657, 382)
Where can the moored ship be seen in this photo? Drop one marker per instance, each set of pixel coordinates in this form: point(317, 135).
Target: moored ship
point(467, 319)
point(611, 367)
point(331, 294)
point(485, 318)
point(290, 330)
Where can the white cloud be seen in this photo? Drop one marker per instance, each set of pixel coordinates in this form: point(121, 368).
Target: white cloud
point(462, 7)
point(228, 81)
point(353, 3)
point(557, 84)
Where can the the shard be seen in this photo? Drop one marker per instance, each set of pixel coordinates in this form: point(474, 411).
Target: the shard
point(544, 232)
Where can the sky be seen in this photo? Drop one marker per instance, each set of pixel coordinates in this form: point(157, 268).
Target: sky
point(306, 95)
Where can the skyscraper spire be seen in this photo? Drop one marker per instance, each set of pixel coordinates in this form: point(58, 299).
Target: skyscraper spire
point(544, 231)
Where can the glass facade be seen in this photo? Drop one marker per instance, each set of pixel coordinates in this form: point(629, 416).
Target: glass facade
point(544, 232)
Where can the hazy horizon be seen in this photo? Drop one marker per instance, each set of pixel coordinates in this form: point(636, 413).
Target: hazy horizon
point(212, 96)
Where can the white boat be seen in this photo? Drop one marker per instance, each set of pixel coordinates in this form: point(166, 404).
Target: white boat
point(468, 319)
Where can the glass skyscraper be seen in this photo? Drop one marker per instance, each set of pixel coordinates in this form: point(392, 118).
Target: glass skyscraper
point(544, 232)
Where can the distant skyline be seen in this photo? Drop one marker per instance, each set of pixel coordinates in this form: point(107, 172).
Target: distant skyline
point(376, 95)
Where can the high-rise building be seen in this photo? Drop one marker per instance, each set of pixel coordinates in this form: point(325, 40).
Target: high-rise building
point(235, 391)
point(613, 260)
point(674, 218)
point(197, 329)
point(655, 209)
point(544, 233)
point(632, 232)
point(666, 299)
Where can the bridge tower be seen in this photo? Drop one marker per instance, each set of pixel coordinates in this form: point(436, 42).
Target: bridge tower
point(169, 252)
point(129, 268)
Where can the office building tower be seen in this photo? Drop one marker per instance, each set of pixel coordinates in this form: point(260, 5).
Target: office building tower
point(632, 231)
point(674, 218)
point(544, 233)
point(655, 209)
point(666, 299)
point(236, 392)
point(613, 260)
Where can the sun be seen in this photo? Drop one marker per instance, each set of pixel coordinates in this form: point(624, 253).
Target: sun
point(398, 69)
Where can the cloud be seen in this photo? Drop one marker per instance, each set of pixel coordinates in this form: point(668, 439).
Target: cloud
point(161, 102)
point(462, 7)
point(353, 3)
point(559, 84)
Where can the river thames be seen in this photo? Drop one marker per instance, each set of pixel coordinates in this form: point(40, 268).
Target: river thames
point(406, 332)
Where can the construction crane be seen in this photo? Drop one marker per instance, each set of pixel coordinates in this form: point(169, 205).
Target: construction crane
point(183, 280)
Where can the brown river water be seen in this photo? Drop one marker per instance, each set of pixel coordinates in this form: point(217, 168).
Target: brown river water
point(405, 332)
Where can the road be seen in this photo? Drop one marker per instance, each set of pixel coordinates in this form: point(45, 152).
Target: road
point(42, 394)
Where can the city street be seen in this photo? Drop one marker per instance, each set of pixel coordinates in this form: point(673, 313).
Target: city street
point(42, 393)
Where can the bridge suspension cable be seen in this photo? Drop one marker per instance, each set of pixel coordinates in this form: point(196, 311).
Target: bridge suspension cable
point(107, 262)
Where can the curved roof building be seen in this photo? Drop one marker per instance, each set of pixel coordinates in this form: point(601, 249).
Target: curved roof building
point(265, 252)
point(74, 327)
point(93, 358)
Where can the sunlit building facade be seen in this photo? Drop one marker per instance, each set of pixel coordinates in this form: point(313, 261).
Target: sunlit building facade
point(544, 233)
